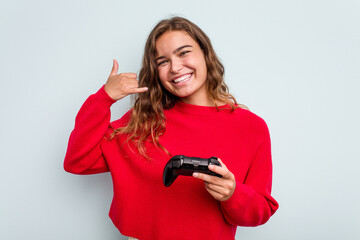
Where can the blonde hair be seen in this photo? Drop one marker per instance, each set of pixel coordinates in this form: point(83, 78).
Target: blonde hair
point(147, 121)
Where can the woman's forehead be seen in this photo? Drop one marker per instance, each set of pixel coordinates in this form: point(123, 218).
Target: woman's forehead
point(170, 41)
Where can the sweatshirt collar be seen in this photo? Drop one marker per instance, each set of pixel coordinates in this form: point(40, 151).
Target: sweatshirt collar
point(198, 110)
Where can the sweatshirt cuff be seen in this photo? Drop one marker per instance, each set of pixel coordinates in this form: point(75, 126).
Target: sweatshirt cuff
point(234, 199)
point(102, 96)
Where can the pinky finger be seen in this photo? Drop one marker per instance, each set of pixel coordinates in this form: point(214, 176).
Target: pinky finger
point(139, 90)
point(215, 194)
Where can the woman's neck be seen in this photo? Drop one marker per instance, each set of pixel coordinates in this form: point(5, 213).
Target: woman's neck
point(201, 101)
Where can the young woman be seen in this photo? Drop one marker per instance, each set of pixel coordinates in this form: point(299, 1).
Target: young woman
point(182, 107)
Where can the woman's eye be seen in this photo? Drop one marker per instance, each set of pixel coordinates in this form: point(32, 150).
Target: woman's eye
point(184, 53)
point(161, 62)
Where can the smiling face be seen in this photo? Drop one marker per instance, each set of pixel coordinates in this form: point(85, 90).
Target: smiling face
point(182, 68)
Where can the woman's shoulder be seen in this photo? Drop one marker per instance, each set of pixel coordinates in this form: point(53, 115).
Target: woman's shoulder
point(250, 119)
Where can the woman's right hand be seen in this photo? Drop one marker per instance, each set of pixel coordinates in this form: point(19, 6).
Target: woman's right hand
point(120, 85)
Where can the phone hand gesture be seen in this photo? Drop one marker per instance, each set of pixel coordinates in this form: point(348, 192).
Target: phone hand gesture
point(120, 85)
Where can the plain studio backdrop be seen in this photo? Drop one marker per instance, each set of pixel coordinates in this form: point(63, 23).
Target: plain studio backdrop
point(295, 63)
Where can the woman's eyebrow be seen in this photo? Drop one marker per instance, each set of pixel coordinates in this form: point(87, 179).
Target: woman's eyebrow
point(179, 48)
point(175, 51)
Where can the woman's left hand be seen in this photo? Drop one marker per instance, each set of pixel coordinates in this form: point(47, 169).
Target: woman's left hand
point(220, 188)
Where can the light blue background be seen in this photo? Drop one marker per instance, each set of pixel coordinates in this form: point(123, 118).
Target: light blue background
point(293, 62)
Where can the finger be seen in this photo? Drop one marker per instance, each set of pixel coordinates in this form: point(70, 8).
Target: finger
point(216, 195)
point(221, 193)
point(129, 75)
point(138, 90)
point(208, 178)
point(226, 189)
point(115, 68)
point(221, 163)
point(130, 83)
point(223, 170)
point(219, 170)
point(214, 188)
point(219, 196)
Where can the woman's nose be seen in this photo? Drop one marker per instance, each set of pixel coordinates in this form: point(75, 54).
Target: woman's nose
point(176, 65)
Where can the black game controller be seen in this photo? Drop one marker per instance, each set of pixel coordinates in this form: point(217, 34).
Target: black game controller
point(186, 166)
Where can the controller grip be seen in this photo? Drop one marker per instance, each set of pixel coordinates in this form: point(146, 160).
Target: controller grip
point(169, 176)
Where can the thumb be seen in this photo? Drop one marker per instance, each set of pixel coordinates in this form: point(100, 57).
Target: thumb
point(115, 68)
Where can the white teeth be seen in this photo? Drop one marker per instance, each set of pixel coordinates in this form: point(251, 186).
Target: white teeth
point(182, 78)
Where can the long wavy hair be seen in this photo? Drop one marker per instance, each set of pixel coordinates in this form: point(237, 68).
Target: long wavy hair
point(147, 121)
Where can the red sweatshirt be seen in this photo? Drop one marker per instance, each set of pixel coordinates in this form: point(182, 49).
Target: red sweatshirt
point(142, 206)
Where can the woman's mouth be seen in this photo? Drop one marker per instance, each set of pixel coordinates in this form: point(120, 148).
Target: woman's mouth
point(182, 78)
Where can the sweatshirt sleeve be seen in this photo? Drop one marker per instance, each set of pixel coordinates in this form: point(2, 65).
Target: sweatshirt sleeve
point(251, 203)
point(84, 154)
